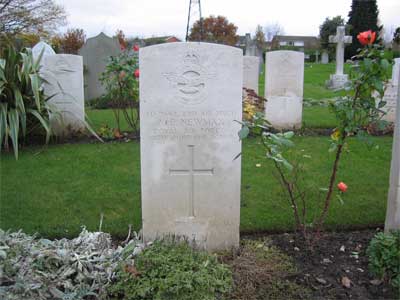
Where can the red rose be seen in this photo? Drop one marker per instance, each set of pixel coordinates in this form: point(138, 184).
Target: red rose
point(366, 37)
point(135, 48)
point(342, 187)
point(137, 73)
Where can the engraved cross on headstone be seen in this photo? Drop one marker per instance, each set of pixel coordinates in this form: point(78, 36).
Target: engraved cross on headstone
point(191, 172)
point(340, 39)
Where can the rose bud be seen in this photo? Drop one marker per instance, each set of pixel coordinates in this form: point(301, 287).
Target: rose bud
point(342, 187)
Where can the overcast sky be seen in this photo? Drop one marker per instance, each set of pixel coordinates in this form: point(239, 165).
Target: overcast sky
point(146, 18)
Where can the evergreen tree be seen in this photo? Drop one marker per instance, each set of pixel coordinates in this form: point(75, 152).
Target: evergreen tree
point(363, 16)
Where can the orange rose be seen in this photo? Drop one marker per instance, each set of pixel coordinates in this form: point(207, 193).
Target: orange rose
point(366, 37)
point(342, 187)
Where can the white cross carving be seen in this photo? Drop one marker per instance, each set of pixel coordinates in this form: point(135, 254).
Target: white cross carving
point(191, 172)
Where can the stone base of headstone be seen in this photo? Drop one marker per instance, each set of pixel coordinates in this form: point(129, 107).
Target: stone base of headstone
point(337, 82)
point(284, 112)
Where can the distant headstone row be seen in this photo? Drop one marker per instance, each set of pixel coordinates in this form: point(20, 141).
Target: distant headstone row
point(63, 82)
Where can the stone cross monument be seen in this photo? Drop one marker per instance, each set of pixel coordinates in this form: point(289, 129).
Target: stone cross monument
point(338, 80)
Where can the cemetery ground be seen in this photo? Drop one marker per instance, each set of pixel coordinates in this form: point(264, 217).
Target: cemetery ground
point(57, 189)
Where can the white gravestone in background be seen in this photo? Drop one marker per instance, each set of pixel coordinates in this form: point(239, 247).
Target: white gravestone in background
point(339, 79)
point(39, 47)
point(390, 96)
point(393, 203)
point(324, 57)
point(250, 72)
point(64, 79)
point(284, 78)
point(190, 95)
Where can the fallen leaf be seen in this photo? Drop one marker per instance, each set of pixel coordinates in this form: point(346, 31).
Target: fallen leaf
point(342, 249)
point(258, 165)
point(321, 280)
point(346, 282)
point(132, 270)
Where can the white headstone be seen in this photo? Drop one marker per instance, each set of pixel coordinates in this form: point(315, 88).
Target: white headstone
point(190, 95)
point(42, 46)
point(393, 203)
point(250, 72)
point(63, 74)
point(339, 79)
point(324, 57)
point(390, 96)
point(96, 53)
point(284, 78)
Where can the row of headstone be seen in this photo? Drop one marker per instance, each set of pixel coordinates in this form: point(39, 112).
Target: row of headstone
point(63, 83)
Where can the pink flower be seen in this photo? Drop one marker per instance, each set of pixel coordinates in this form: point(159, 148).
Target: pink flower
point(137, 73)
point(342, 187)
point(135, 48)
point(366, 37)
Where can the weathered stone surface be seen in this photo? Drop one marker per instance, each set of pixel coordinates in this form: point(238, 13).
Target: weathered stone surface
point(339, 79)
point(96, 53)
point(190, 95)
point(393, 203)
point(284, 78)
point(390, 97)
point(64, 79)
point(42, 46)
point(250, 72)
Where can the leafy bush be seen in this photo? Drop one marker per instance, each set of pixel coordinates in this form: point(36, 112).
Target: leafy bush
point(120, 79)
point(384, 257)
point(23, 106)
point(100, 103)
point(172, 270)
point(40, 269)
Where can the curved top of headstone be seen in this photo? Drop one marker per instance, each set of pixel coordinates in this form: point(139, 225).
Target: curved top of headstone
point(285, 53)
point(194, 45)
point(101, 42)
point(38, 48)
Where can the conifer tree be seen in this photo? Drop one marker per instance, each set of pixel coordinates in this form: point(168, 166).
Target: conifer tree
point(363, 16)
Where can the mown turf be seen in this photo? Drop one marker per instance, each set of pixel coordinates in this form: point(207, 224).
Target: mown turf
point(56, 190)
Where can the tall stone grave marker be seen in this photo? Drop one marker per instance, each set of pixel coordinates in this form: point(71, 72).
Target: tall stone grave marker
point(393, 204)
point(339, 79)
point(284, 78)
point(190, 95)
point(96, 52)
point(250, 72)
point(324, 57)
point(64, 81)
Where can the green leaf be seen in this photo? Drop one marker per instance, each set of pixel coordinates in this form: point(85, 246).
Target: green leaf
point(385, 64)
point(3, 122)
point(36, 89)
point(287, 165)
point(13, 122)
point(42, 121)
point(243, 132)
point(288, 135)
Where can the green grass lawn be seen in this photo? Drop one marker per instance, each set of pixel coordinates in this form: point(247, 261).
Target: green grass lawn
point(57, 189)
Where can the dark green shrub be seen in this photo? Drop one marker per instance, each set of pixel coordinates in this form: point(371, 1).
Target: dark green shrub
point(100, 103)
point(172, 270)
point(384, 257)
